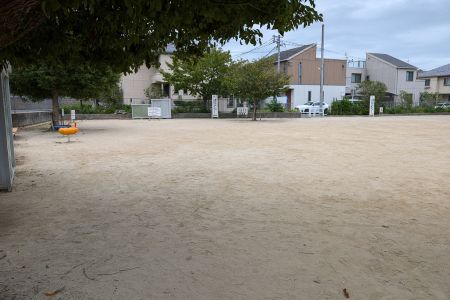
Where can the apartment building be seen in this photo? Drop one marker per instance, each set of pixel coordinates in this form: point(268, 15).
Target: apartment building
point(303, 67)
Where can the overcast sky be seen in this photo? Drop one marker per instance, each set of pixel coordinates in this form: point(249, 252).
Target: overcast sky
point(416, 31)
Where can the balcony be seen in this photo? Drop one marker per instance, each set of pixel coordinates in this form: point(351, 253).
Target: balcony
point(361, 64)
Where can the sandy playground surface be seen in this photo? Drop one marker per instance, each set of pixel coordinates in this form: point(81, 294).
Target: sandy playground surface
point(231, 209)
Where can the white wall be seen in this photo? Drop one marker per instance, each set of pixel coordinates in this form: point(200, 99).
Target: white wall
point(300, 93)
point(348, 78)
point(133, 85)
point(378, 70)
point(414, 87)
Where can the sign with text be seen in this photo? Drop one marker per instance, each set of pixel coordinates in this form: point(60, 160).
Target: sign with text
point(154, 112)
point(372, 106)
point(72, 114)
point(215, 106)
point(242, 111)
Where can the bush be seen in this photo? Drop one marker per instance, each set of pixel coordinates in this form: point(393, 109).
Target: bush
point(347, 107)
point(275, 106)
point(189, 107)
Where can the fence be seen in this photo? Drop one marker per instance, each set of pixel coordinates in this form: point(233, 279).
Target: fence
point(140, 111)
point(7, 159)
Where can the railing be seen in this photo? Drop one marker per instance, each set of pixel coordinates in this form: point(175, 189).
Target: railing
point(356, 64)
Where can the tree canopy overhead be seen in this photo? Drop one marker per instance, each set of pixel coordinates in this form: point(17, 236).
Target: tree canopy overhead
point(124, 34)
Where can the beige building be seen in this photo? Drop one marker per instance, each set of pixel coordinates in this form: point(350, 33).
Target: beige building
point(303, 67)
point(134, 85)
point(438, 81)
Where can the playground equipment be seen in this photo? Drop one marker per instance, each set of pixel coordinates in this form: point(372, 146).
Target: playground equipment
point(68, 131)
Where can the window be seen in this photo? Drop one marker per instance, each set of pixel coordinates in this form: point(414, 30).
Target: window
point(356, 77)
point(427, 82)
point(309, 96)
point(447, 81)
point(409, 76)
point(300, 73)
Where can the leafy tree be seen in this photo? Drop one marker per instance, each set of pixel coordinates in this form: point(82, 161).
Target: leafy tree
point(255, 81)
point(203, 77)
point(407, 98)
point(372, 88)
point(39, 81)
point(124, 34)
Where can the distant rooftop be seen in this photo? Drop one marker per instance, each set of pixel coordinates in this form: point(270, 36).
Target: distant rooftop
point(393, 61)
point(438, 72)
point(286, 54)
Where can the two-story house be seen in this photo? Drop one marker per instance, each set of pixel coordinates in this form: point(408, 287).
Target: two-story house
point(438, 81)
point(355, 74)
point(303, 67)
point(396, 74)
point(134, 85)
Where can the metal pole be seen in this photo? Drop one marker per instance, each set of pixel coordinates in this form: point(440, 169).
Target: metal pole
point(278, 40)
point(322, 69)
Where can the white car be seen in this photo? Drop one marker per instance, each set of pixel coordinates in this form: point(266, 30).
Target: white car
point(314, 106)
point(443, 105)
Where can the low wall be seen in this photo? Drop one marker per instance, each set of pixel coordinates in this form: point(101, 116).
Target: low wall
point(233, 115)
point(21, 119)
point(103, 116)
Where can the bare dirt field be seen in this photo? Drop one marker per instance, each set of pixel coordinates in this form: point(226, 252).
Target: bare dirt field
point(231, 209)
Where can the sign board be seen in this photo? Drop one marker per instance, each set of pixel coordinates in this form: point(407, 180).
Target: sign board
point(72, 114)
point(381, 110)
point(372, 106)
point(62, 112)
point(215, 106)
point(242, 111)
point(154, 112)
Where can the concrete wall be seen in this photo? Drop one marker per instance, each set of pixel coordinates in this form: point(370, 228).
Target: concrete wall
point(414, 87)
point(300, 93)
point(103, 116)
point(348, 78)
point(21, 119)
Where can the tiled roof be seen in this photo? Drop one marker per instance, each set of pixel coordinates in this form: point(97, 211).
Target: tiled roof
point(394, 61)
point(438, 72)
point(286, 54)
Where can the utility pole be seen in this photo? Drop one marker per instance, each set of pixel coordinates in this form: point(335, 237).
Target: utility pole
point(322, 69)
point(277, 39)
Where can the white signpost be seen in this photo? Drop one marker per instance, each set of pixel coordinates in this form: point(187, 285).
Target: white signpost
point(215, 106)
point(381, 110)
point(72, 115)
point(154, 112)
point(372, 106)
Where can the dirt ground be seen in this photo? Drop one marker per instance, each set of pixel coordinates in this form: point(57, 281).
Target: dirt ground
point(231, 209)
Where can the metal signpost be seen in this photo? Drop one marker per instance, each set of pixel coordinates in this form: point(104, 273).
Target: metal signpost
point(215, 106)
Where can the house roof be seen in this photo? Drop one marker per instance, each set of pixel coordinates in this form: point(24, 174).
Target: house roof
point(393, 61)
point(438, 72)
point(287, 54)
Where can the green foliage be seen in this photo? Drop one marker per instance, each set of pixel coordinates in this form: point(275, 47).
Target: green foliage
point(427, 98)
point(255, 81)
point(347, 107)
point(124, 34)
point(39, 81)
point(406, 98)
point(368, 88)
point(403, 109)
point(203, 77)
point(189, 107)
point(275, 106)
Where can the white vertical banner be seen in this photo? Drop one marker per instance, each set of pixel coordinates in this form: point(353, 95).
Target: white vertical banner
point(372, 106)
point(72, 114)
point(215, 106)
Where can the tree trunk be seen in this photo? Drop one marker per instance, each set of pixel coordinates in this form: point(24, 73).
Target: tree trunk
point(254, 111)
point(81, 103)
point(55, 108)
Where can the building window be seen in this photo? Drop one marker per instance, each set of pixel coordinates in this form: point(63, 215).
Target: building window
point(300, 73)
point(447, 81)
point(356, 78)
point(309, 96)
point(409, 76)
point(427, 82)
